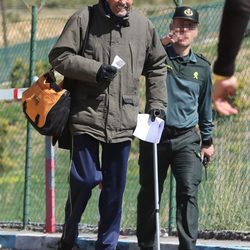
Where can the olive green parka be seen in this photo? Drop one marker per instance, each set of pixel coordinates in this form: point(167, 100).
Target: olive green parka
point(109, 112)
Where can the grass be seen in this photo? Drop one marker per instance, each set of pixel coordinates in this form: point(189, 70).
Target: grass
point(222, 198)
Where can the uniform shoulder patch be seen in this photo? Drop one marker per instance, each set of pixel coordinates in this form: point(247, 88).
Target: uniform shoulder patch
point(204, 58)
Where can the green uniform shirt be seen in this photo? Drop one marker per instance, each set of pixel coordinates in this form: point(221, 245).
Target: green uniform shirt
point(189, 88)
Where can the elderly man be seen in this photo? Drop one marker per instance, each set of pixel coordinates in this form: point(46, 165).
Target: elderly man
point(105, 104)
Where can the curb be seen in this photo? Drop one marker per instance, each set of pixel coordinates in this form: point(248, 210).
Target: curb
point(41, 241)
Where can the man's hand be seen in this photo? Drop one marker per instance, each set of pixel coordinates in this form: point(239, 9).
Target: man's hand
point(207, 151)
point(167, 39)
point(153, 113)
point(106, 73)
point(172, 37)
point(221, 92)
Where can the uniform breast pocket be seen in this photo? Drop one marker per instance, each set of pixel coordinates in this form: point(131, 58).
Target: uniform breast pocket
point(129, 111)
point(190, 91)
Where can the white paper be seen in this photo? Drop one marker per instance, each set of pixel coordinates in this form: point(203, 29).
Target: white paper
point(147, 130)
point(118, 62)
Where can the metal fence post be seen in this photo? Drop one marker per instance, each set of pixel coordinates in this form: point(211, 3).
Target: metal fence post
point(3, 14)
point(172, 207)
point(50, 223)
point(29, 128)
point(172, 190)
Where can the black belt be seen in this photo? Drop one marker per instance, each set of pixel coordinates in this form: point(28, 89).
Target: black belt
point(171, 132)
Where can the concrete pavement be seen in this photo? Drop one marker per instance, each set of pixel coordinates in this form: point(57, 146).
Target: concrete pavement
point(27, 240)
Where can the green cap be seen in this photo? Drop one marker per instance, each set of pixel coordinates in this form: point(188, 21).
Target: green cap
point(186, 12)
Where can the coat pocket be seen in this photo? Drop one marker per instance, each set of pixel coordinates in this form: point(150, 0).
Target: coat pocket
point(89, 110)
point(129, 111)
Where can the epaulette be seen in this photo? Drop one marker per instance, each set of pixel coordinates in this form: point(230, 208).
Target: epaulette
point(204, 58)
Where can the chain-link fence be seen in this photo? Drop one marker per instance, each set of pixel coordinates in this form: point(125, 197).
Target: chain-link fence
point(223, 198)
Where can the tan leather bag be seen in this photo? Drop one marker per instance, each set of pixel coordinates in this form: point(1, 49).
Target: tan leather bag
point(46, 105)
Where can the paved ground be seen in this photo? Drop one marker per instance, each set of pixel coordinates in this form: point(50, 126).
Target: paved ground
point(27, 240)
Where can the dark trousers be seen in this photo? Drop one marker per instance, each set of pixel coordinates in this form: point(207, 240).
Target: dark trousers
point(181, 151)
point(85, 173)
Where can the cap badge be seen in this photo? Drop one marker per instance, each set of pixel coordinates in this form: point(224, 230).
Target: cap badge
point(188, 12)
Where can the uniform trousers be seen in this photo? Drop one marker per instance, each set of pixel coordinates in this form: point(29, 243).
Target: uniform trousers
point(180, 149)
point(87, 171)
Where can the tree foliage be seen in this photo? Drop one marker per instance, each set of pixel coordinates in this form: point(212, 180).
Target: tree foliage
point(20, 72)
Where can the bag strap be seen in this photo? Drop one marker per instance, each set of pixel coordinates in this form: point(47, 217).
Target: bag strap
point(50, 76)
point(90, 10)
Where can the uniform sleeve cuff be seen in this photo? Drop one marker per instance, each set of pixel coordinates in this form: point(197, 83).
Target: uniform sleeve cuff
point(207, 142)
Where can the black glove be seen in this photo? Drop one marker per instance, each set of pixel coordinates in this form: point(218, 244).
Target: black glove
point(153, 113)
point(106, 73)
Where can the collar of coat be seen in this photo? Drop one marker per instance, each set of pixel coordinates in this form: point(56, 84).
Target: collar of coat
point(118, 21)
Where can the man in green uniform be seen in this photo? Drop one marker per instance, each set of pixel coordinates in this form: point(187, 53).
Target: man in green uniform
point(182, 146)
